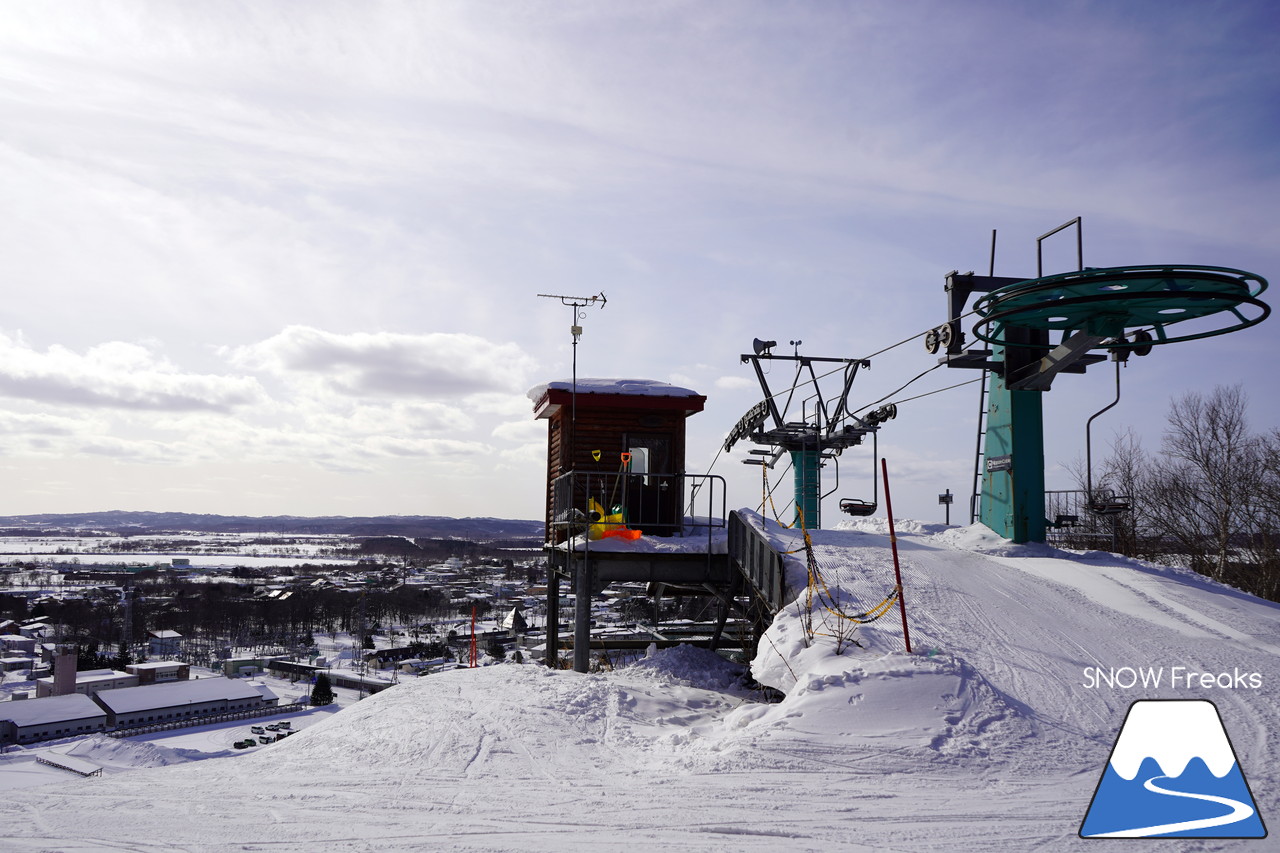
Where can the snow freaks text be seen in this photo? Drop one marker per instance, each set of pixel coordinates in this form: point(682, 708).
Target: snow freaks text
point(1173, 677)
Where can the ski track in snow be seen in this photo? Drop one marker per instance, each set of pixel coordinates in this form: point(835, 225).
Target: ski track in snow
point(986, 738)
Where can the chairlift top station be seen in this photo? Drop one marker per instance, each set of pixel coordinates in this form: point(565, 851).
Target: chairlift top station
point(1094, 313)
point(1026, 332)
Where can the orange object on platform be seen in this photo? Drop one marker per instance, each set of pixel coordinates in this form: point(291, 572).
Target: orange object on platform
point(621, 533)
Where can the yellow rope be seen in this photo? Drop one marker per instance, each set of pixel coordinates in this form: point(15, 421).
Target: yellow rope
point(768, 496)
point(816, 582)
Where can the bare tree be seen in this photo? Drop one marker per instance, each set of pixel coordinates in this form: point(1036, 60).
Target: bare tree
point(1126, 472)
point(1264, 544)
point(1204, 484)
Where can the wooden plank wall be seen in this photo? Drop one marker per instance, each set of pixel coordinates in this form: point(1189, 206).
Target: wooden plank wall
point(606, 430)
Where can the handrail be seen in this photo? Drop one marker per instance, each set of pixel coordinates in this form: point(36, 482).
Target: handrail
point(651, 503)
point(758, 561)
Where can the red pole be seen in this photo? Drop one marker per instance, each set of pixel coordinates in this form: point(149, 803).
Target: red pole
point(893, 542)
point(474, 657)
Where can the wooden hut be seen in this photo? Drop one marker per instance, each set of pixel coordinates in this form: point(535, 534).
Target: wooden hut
point(620, 442)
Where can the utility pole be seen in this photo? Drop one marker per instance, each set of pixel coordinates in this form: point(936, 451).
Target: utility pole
point(582, 577)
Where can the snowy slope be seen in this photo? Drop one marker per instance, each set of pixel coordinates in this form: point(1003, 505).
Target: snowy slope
point(993, 735)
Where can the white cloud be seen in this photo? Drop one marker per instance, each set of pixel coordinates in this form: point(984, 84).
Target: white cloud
point(381, 417)
point(444, 448)
point(733, 383)
point(116, 375)
point(44, 424)
point(522, 432)
point(374, 364)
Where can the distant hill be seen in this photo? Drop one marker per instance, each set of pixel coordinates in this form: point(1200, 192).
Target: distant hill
point(132, 523)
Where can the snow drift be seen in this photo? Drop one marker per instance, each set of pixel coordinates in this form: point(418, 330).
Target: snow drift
point(989, 736)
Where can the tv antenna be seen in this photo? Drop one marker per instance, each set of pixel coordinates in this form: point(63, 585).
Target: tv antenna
point(576, 304)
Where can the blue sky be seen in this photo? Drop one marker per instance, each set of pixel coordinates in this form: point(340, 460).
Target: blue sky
point(284, 258)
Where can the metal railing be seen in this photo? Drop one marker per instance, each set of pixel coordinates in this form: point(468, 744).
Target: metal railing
point(653, 504)
point(759, 562)
point(1074, 521)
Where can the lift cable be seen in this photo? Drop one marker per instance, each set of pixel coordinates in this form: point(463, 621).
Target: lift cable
point(833, 370)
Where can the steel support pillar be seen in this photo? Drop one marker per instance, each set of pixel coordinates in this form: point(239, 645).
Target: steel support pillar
point(807, 465)
point(1013, 477)
point(582, 614)
point(552, 656)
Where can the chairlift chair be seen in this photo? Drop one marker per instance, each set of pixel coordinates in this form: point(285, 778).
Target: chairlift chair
point(859, 508)
point(856, 507)
point(1106, 504)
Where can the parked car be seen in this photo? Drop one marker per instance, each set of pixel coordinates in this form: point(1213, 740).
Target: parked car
point(257, 730)
point(245, 744)
point(264, 739)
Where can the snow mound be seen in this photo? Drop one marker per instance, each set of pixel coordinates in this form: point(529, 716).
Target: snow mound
point(690, 666)
point(983, 540)
point(129, 754)
point(881, 526)
point(934, 701)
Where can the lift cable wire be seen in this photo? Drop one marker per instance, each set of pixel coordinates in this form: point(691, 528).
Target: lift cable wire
point(899, 388)
point(868, 357)
point(940, 390)
point(814, 380)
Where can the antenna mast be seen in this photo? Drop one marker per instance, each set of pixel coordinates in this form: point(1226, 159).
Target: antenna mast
point(576, 303)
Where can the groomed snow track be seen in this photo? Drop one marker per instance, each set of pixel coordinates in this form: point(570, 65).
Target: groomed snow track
point(988, 738)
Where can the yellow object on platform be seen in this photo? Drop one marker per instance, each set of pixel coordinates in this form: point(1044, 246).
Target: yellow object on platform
point(612, 524)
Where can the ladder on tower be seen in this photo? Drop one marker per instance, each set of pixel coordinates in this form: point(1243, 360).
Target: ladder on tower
point(975, 497)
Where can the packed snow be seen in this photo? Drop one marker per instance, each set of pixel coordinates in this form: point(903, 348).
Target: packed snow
point(629, 387)
point(992, 734)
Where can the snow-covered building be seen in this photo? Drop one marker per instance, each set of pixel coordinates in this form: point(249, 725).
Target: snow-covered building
point(89, 681)
point(182, 700)
point(159, 671)
point(30, 720)
point(17, 643)
point(12, 663)
point(622, 428)
point(514, 621)
point(163, 644)
point(383, 658)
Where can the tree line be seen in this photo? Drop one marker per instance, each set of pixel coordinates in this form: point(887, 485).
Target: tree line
point(1208, 498)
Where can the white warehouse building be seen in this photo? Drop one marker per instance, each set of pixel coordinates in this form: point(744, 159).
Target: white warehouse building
point(29, 720)
point(181, 700)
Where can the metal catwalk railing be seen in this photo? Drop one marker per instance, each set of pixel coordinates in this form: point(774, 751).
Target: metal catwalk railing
point(611, 503)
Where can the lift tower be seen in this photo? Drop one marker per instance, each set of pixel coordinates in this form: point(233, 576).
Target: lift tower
point(823, 428)
point(1116, 310)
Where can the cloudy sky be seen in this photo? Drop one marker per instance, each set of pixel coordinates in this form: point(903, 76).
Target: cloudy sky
point(284, 258)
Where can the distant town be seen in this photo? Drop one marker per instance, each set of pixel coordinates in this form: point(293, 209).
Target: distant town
point(130, 622)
